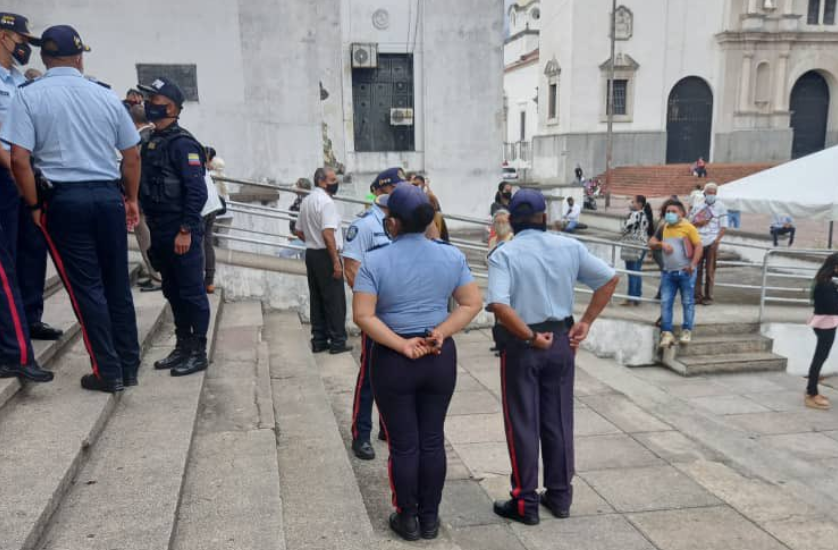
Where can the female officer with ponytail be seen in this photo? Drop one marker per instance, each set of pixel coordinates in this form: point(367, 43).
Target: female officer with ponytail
point(401, 302)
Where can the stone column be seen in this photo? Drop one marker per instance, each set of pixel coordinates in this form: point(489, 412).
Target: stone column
point(780, 84)
point(788, 7)
point(752, 6)
point(745, 82)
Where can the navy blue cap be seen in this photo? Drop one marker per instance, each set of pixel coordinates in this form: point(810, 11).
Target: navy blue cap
point(165, 87)
point(16, 23)
point(391, 176)
point(61, 41)
point(404, 200)
point(527, 202)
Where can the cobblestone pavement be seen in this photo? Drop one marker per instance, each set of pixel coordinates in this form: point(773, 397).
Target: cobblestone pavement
point(663, 462)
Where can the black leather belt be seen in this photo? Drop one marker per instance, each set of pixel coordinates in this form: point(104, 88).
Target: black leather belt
point(556, 327)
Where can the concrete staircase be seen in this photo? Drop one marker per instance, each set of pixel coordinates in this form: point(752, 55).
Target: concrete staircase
point(724, 348)
point(674, 179)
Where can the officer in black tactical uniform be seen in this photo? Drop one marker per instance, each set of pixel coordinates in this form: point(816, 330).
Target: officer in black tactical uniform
point(172, 195)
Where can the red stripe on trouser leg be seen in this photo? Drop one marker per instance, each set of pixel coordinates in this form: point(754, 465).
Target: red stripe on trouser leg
point(510, 441)
point(10, 299)
point(390, 463)
point(356, 406)
point(62, 272)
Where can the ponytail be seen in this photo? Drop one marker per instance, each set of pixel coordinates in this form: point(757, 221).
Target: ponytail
point(647, 210)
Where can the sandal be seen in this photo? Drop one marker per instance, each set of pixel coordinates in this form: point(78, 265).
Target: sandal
point(817, 402)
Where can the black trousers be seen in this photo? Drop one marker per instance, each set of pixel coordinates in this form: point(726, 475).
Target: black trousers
point(84, 227)
point(209, 250)
point(327, 301)
point(777, 232)
point(826, 337)
point(537, 389)
point(362, 399)
point(15, 346)
point(31, 265)
point(413, 398)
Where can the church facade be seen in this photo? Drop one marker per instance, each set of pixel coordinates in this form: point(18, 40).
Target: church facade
point(727, 80)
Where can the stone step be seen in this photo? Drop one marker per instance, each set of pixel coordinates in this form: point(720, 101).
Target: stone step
point(129, 487)
point(320, 493)
point(231, 492)
point(46, 433)
point(726, 345)
point(58, 312)
point(730, 363)
point(726, 329)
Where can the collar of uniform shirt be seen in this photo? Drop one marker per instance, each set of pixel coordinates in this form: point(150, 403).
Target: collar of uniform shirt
point(62, 71)
point(5, 73)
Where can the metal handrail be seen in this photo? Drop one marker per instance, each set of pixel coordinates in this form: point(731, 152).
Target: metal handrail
point(766, 273)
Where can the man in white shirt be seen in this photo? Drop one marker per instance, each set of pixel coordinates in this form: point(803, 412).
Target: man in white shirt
point(570, 216)
point(319, 225)
point(710, 217)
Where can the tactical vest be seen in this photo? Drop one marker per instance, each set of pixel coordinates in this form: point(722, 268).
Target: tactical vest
point(161, 184)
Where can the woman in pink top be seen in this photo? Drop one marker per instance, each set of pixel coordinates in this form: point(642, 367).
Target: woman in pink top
point(824, 322)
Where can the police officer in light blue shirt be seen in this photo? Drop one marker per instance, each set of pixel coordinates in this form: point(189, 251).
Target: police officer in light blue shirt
point(531, 281)
point(71, 126)
point(365, 234)
point(401, 303)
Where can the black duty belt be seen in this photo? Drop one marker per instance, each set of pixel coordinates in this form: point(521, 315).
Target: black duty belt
point(556, 327)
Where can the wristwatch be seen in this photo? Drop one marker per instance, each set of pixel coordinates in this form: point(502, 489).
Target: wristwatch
point(34, 207)
point(529, 341)
point(185, 230)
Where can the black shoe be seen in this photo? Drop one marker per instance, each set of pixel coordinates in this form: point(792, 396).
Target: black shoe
point(561, 513)
point(31, 372)
point(407, 527)
point(196, 362)
point(363, 450)
point(429, 531)
point(42, 331)
point(382, 435)
point(337, 350)
point(319, 348)
point(178, 356)
point(509, 509)
point(94, 383)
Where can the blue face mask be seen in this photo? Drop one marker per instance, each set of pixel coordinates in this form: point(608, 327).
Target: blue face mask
point(710, 199)
point(672, 218)
point(155, 112)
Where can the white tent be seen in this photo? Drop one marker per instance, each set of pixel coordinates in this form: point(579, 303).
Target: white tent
point(803, 188)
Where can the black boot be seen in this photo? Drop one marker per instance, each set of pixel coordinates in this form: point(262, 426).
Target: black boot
point(94, 383)
point(178, 355)
point(509, 509)
point(31, 372)
point(42, 331)
point(406, 526)
point(129, 376)
point(429, 528)
point(363, 449)
point(196, 361)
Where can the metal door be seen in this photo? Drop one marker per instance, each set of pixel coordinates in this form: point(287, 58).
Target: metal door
point(689, 121)
point(374, 93)
point(809, 112)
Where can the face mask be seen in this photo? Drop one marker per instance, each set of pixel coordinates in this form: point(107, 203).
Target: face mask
point(22, 53)
point(523, 226)
point(387, 228)
point(672, 218)
point(155, 112)
point(332, 188)
point(710, 199)
point(507, 195)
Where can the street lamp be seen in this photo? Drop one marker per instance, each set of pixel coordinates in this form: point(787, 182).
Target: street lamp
point(610, 135)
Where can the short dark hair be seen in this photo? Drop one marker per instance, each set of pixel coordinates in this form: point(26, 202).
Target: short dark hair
point(419, 177)
point(211, 152)
point(320, 175)
point(419, 219)
point(676, 203)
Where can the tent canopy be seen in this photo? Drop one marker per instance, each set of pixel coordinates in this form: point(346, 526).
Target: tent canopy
point(803, 188)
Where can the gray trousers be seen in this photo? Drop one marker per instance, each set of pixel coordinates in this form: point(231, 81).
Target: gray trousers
point(143, 235)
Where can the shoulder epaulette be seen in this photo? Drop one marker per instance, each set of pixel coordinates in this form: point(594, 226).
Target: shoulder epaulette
point(377, 247)
point(28, 82)
point(440, 241)
point(495, 249)
point(102, 84)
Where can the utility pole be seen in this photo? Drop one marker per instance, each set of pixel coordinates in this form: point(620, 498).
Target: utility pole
point(609, 155)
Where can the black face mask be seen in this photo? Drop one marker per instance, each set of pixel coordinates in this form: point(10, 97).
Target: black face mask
point(155, 112)
point(22, 53)
point(517, 227)
point(507, 195)
point(332, 188)
point(386, 229)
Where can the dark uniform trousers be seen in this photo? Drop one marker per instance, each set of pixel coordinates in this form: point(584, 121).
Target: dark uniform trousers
point(363, 399)
point(413, 398)
point(182, 275)
point(328, 300)
point(9, 212)
point(537, 389)
point(84, 226)
point(15, 346)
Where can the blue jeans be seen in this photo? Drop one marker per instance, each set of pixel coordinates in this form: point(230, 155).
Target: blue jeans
point(571, 226)
point(635, 282)
point(734, 220)
point(671, 283)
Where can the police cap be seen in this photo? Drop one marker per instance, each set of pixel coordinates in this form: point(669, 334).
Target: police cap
point(165, 87)
point(391, 176)
point(527, 202)
point(16, 23)
point(61, 41)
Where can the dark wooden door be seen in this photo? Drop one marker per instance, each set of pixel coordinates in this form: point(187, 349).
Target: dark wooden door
point(374, 93)
point(689, 121)
point(809, 112)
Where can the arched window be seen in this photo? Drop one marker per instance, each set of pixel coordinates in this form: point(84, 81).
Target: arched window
point(762, 88)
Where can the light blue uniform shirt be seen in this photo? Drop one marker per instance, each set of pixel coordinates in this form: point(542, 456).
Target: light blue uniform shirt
point(10, 79)
point(413, 279)
point(365, 233)
point(71, 125)
point(535, 274)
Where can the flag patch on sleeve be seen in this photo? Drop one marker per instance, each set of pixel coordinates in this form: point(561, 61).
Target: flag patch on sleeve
point(194, 159)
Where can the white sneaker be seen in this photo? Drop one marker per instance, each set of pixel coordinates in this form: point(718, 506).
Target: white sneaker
point(686, 336)
point(667, 340)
